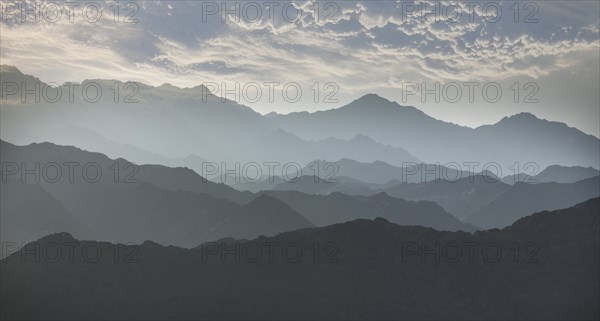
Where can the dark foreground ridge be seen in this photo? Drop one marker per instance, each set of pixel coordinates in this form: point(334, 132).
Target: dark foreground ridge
point(366, 269)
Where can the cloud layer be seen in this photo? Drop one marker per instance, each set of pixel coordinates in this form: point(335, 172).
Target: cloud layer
point(363, 46)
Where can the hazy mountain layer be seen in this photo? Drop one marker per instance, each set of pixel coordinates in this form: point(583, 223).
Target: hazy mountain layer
point(128, 203)
point(522, 198)
point(149, 202)
point(461, 198)
point(337, 207)
point(166, 123)
point(520, 138)
point(28, 212)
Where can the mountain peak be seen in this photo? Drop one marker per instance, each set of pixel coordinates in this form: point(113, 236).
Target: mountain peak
point(524, 116)
point(368, 104)
point(361, 138)
point(10, 69)
point(371, 99)
point(200, 89)
point(57, 237)
point(380, 196)
point(152, 244)
point(264, 201)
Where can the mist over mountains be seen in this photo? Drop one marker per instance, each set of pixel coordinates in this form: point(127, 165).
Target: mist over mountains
point(173, 174)
point(299, 160)
point(519, 138)
point(169, 122)
point(179, 207)
point(351, 155)
point(173, 206)
point(554, 173)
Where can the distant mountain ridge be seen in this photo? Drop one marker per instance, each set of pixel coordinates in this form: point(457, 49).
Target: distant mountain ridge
point(173, 206)
point(472, 194)
point(388, 131)
point(510, 140)
point(561, 174)
point(337, 207)
point(172, 123)
point(168, 205)
point(522, 198)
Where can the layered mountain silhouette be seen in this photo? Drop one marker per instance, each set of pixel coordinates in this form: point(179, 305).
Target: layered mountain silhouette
point(461, 198)
point(253, 215)
point(554, 173)
point(384, 219)
point(479, 195)
point(520, 138)
point(161, 176)
point(562, 174)
point(317, 185)
point(310, 184)
point(175, 206)
point(28, 212)
point(169, 122)
point(337, 207)
point(370, 269)
point(294, 178)
point(522, 198)
point(167, 205)
point(349, 174)
point(79, 136)
point(379, 172)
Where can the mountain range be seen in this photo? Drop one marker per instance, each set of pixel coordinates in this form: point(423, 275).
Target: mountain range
point(373, 210)
point(368, 269)
point(173, 206)
point(554, 173)
point(170, 122)
point(519, 138)
point(479, 199)
point(179, 207)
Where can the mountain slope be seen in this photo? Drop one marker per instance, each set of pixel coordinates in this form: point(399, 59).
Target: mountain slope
point(436, 141)
point(522, 199)
point(249, 220)
point(336, 207)
point(379, 172)
point(172, 122)
point(316, 185)
point(28, 212)
point(562, 174)
point(362, 274)
point(149, 202)
point(554, 173)
point(461, 198)
point(120, 169)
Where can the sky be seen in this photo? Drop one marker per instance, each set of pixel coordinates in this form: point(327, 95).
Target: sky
point(476, 62)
